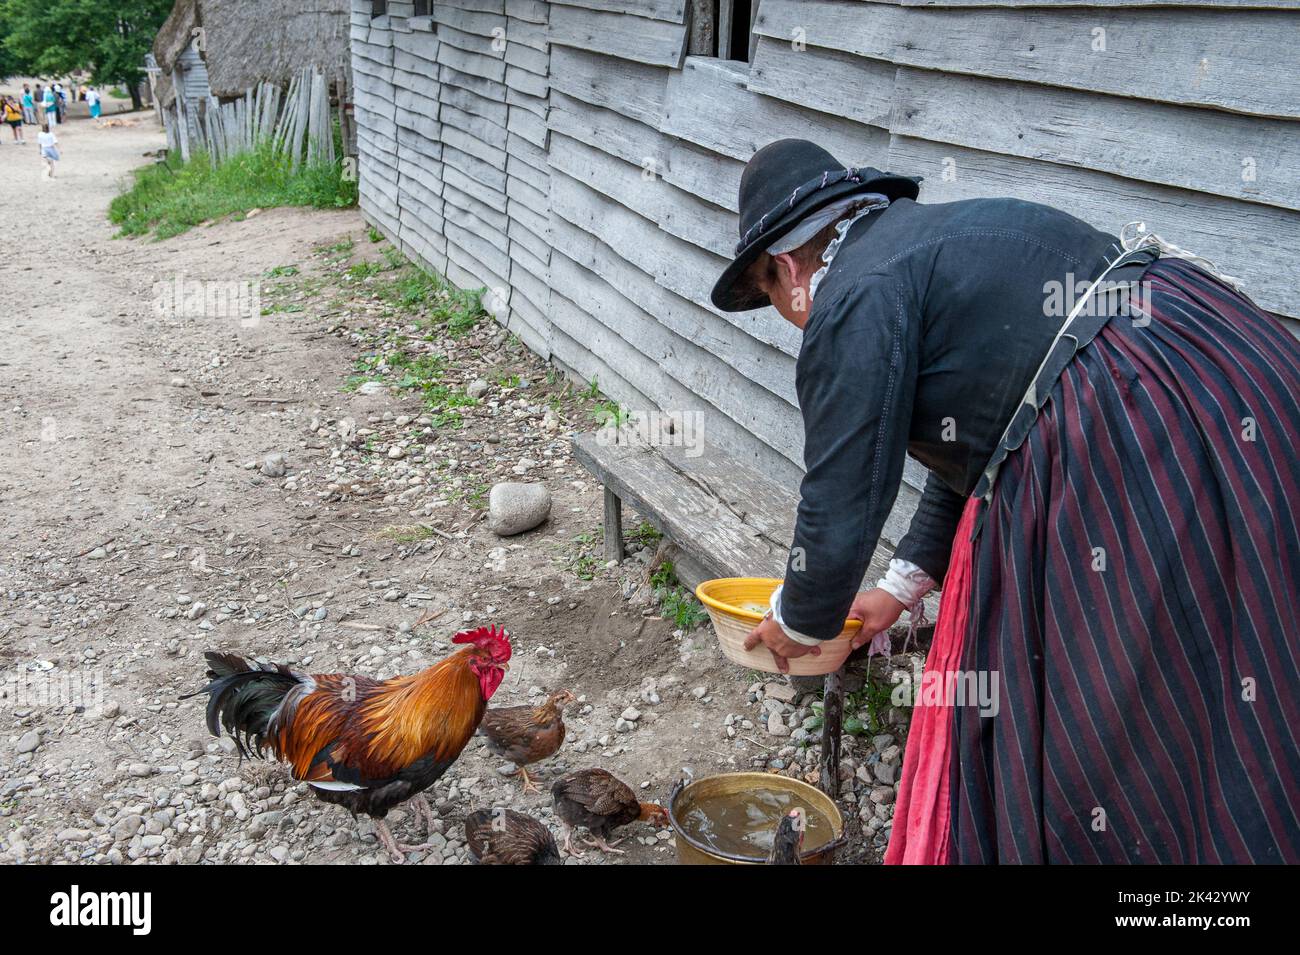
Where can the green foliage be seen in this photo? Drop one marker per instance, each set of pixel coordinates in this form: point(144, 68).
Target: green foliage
point(169, 198)
point(645, 534)
point(374, 235)
point(109, 38)
point(455, 311)
point(677, 603)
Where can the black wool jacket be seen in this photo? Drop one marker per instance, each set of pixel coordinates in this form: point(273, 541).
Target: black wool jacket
point(924, 335)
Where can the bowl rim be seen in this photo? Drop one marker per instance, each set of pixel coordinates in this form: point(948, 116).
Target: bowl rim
point(713, 603)
point(834, 845)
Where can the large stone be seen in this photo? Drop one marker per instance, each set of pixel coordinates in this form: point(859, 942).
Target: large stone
point(514, 507)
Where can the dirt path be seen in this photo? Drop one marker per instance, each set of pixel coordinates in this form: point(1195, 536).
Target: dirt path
point(141, 530)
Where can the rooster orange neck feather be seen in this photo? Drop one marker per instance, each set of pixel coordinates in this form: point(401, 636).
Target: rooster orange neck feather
point(386, 726)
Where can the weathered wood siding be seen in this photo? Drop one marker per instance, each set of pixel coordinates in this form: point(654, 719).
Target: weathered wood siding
point(569, 157)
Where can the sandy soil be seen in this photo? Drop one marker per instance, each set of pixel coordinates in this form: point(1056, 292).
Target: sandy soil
point(140, 531)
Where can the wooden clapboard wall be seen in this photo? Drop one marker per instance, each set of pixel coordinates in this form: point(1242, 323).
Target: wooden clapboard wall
point(572, 159)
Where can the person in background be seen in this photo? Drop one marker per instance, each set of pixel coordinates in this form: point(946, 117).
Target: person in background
point(29, 106)
point(13, 116)
point(49, 107)
point(49, 144)
point(92, 98)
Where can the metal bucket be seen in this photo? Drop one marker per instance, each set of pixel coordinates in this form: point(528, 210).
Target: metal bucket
point(691, 851)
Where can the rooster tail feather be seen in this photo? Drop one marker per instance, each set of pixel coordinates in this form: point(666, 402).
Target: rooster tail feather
point(244, 696)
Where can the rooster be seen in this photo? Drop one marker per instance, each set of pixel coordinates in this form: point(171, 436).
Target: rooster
point(363, 744)
point(526, 734)
point(602, 802)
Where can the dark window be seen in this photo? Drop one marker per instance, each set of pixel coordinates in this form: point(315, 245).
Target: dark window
point(378, 8)
point(723, 28)
point(423, 8)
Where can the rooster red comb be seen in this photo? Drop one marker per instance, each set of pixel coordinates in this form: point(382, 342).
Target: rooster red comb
point(496, 642)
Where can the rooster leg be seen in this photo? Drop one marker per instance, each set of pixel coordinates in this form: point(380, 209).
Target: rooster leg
point(604, 846)
point(426, 811)
point(568, 842)
point(386, 837)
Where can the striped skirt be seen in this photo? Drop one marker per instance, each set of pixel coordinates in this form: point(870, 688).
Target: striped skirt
point(1134, 591)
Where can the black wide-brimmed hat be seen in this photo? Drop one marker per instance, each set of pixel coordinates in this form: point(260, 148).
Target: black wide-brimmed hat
point(784, 182)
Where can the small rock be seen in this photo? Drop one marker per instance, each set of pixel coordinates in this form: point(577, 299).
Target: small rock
point(273, 465)
point(28, 742)
point(477, 388)
point(780, 691)
point(514, 507)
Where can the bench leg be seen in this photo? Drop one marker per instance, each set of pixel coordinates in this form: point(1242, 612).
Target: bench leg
point(613, 526)
point(832, 725)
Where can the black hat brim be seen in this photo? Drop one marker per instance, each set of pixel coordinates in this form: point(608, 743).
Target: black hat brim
point(730, 293)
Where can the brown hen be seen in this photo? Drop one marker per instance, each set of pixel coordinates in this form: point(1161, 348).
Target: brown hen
point(526, 734)
point(506, 837)
point(601, 802)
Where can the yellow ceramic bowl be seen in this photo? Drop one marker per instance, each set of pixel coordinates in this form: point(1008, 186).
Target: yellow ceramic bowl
point(736, 605)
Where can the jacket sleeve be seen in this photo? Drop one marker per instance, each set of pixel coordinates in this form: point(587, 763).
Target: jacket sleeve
point(928, 541)
point(856, 379)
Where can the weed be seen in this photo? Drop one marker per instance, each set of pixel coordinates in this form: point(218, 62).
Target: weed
point(644, 534)
point(407, 533)
point(676, 602)
point(173, 196)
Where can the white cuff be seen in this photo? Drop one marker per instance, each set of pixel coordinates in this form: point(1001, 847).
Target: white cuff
point(794, 635)
point(906, 582)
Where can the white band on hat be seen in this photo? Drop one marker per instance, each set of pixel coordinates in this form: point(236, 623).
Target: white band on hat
point(815, 222)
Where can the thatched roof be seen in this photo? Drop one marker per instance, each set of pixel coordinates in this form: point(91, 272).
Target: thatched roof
point(245, 42)
point(176, 33)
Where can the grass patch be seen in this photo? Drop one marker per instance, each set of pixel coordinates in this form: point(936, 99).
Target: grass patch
point(406, 533)
point(374, 235)
point(436, 302)
point(171, 197)
point(342, 247)
point(645, 535)
point(677, 603)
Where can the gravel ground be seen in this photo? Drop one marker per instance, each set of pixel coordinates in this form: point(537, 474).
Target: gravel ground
point(174, 483)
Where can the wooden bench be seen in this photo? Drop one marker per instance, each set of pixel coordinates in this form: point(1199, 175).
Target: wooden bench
point(725, 519)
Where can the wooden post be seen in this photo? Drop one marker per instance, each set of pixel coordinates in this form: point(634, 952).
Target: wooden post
point(613, 526)
point(703, 17)
point(832, 724)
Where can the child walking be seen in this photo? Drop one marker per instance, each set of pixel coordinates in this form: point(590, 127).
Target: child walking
point(49, 150)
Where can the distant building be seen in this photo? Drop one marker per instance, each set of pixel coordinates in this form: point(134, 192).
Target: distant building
point(219, 49)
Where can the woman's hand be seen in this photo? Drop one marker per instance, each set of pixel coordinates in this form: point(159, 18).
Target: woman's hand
point(878, 610)
point(770, 634)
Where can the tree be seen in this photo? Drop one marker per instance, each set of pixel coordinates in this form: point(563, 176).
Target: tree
point(107, 38)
